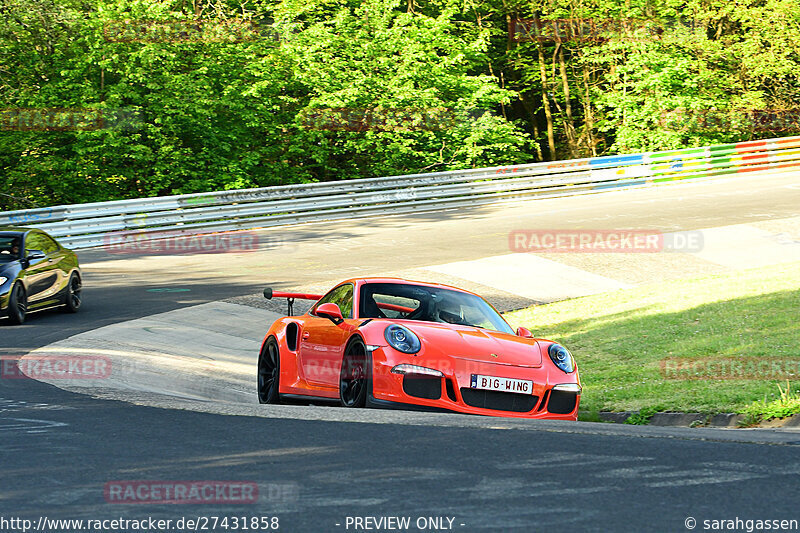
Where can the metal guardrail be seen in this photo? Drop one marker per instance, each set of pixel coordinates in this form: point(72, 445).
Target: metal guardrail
point(96, 224)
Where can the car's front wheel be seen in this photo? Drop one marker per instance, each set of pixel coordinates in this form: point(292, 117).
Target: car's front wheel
point(269, 371)
point(353, 377)
point(73, 298)
point(17, 304)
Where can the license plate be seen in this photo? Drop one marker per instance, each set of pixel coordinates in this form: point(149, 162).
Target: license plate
point(520, 386)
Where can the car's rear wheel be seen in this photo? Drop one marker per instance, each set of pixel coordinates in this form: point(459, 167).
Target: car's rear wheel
point(73, 298)
point(17, 304)
point(269, 371)
point(353, 377)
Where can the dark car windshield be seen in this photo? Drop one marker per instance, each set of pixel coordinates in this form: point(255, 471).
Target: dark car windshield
point(430, 304)
point(9, 248)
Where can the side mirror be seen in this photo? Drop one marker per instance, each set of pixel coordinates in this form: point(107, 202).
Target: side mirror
point(33, 255)
point(524, 332)
point(330, 311)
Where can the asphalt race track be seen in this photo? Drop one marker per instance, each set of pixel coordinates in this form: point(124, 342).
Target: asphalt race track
point(318, 469)
point(62, 449)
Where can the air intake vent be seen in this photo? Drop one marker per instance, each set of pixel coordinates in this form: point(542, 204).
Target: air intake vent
point(561, 403)
point(421, 386)
point(499, 401)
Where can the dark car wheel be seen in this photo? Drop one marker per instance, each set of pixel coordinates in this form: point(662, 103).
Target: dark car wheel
point(269, 371)
point(17, 304)
point(353, 377)
point(73, 298)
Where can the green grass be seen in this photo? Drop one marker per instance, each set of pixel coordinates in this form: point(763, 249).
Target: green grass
point(787, 404)
point(621, 338)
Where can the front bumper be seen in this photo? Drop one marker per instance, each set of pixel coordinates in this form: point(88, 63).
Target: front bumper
point(555, 394)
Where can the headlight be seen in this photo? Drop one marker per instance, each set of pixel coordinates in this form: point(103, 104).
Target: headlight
point(402, 339)
point(562, 358)
point(3, 280)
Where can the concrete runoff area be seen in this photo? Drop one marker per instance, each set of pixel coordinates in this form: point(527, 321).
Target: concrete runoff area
point(206, 352)
point(535, 277)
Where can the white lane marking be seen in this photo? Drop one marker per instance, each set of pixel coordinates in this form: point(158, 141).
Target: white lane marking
point(496, 518)
point(64, 496)
point(347, 502)
point(649, 475)
point(579, 490)
point(29, 425)
point(488, 489)
point(711, 478)
point(15, 405)
point(555, 459)
point(743, 467)
point(382, 474)
point(661, 476)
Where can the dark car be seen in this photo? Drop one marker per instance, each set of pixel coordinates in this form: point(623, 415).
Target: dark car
point(36, 273)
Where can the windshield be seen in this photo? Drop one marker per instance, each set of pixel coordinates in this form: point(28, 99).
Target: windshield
point(429, 304)
point(9, 248)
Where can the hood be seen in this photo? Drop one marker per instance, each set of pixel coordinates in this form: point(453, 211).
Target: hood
point(475, 344)
point(10, 271)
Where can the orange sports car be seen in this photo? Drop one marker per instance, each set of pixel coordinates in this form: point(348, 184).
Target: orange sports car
point(384, 342)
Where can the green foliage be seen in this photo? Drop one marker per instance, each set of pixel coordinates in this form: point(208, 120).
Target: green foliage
point(623, 341)
point(642, 418)
point(786, 404)
point(439, 85)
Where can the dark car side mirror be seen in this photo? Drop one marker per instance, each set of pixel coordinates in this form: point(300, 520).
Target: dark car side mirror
point(524, 332)
point(33, 255)
point(330, 311)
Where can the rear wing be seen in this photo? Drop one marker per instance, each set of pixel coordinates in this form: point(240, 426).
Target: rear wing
point(269, 294)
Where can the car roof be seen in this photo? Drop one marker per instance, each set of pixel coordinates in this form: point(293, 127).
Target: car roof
point(402, 281)
point(16, 231)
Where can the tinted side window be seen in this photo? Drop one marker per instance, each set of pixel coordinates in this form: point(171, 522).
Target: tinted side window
point(9, 248)
point(33, 242)
point(50, 246)
point(39, 241)
point(341, 296)
point(345, 300)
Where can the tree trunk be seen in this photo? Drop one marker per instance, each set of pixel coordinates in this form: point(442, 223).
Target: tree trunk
point(526, 103)
point(588, 114)
point(569, 123)
point(548, 113)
